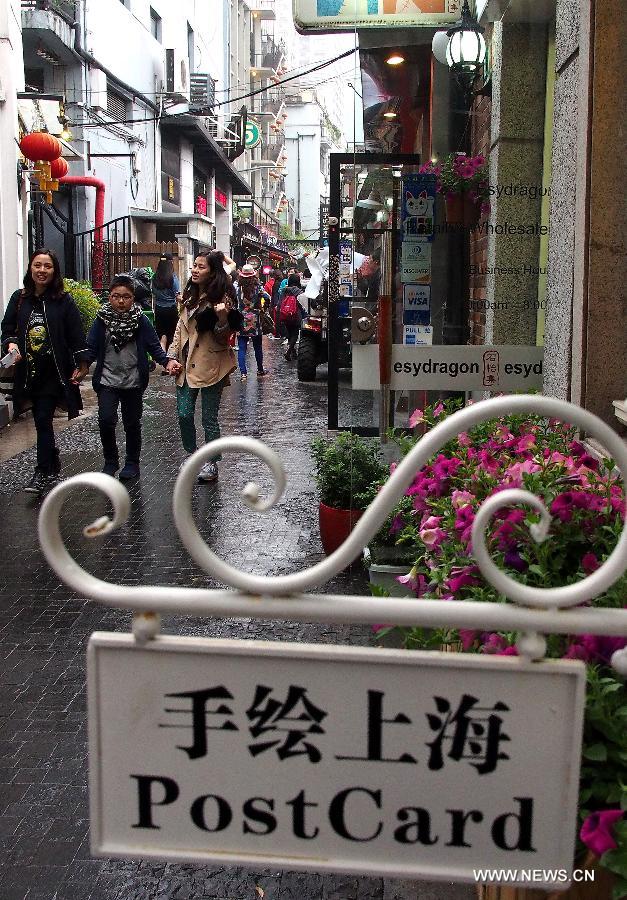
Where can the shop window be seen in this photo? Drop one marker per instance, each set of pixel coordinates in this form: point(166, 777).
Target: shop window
point(155, 24)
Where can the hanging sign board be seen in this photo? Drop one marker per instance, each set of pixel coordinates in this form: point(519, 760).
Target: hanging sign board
point(344, 15)
point(252, 135)
point(325, 758)
point(452, 367)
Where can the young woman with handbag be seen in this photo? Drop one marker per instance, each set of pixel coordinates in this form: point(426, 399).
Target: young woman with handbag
point(201, 346)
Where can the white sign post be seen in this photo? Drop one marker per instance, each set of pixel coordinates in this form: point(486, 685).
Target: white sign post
point(345, 759)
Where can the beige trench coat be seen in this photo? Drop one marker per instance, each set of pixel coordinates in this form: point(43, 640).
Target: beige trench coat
point(209, 359)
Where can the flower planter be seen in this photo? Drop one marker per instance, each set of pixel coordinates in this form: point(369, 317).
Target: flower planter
point(336, 525)
point(461, 210)
point(384, 575)
point(599, 889)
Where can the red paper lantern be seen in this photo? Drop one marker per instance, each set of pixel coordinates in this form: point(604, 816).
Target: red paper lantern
point(58, 168)
point(40, 146)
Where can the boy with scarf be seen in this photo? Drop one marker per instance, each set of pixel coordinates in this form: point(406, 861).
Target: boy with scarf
point(119, 341)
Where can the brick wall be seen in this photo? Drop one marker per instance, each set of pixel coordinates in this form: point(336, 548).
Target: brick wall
point(479, 143)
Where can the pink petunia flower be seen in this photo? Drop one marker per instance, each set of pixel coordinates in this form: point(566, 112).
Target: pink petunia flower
point(597, 830)
point(589, 563)
point(438, 409)
point(416, 418)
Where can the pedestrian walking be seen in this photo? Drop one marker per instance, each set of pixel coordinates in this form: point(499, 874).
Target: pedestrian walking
point(274, 304)
point(166, 294)
point(291, 314)
point(251, 298)
point(42, 326)
point(119, 342)
point(201, 346)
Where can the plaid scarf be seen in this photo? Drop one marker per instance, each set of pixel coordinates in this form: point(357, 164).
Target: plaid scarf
point(122, 326)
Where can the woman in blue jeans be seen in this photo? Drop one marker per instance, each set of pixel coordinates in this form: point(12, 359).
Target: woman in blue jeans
point(251, 297)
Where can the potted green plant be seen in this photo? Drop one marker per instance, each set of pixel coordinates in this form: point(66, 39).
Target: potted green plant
point(347, 470)
point(464, 182)
point(88, 303)
point(587, 505)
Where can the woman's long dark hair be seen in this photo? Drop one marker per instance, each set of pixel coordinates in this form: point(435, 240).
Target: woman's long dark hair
point(55, 288)
point(248, 287)
point(164, 274)
point(217, 285)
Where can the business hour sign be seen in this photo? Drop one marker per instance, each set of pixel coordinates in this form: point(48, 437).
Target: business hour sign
point(318, 758)
point(344, 15)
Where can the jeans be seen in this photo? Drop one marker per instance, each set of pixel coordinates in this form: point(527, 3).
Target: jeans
point(293, 330)
point(242, 348)
point(132, 406)
point(43, 414)
point(185, 407)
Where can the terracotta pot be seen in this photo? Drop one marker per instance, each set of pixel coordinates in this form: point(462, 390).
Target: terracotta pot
point(599, 889)
point(461, 210)
point(336, 525)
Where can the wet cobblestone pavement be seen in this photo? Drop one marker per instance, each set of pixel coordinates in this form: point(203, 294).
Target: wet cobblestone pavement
point(44, 628)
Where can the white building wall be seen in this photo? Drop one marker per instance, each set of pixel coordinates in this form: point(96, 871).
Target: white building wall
point(12, 229)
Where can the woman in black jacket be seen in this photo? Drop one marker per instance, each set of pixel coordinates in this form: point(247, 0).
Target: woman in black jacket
point(43, 325)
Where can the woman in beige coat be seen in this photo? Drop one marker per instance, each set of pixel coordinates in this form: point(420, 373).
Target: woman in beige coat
point(201, 346)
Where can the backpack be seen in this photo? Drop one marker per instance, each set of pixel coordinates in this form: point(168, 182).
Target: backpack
point(289, 309)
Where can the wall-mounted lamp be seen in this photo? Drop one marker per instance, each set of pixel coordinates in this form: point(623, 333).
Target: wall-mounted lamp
point(463, 49)
point(395, 59)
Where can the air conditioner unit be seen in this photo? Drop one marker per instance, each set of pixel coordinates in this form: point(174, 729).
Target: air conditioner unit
point(176, 75)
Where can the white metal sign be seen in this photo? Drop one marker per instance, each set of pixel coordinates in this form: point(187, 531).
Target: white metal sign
point(332, 758)
point(344, 15)
point(452, 367)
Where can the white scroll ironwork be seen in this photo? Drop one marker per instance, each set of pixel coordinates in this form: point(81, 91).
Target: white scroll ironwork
point(538, 611)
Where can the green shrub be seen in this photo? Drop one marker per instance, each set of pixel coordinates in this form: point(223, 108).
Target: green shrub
point(88, 303)
point(346, 470)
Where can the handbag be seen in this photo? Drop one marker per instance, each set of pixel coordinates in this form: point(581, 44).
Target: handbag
point(267, 323)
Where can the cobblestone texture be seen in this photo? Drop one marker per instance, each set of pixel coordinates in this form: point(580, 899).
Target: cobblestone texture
point(44, 628)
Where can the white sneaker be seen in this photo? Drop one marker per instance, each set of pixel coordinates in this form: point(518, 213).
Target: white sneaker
point(208, 473)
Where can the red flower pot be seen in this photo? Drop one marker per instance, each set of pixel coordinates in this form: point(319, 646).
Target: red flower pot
point(461, 210)
point(336, 525)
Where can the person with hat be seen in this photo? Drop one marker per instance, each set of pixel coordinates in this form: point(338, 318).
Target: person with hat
point(251, 298)
point(166, 294)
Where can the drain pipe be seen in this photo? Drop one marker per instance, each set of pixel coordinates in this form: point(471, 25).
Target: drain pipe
point(97, 268)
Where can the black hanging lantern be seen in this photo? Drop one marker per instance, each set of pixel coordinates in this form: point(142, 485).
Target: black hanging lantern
point(466, 50)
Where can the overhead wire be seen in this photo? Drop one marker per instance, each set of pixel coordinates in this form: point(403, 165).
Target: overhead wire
point(262, 90)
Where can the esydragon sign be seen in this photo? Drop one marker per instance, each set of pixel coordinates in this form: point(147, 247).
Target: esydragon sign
point(332, 759)
point(452, 367)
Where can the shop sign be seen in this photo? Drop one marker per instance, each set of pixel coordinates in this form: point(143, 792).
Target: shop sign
point(418, 207)
point(221, 198)
point(252, 135)
point(416, 262)
point(419, 765)
point(452, 367)
point(201, 206)
point(339, 15)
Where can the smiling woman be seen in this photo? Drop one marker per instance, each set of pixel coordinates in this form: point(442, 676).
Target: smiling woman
point(43, 325)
